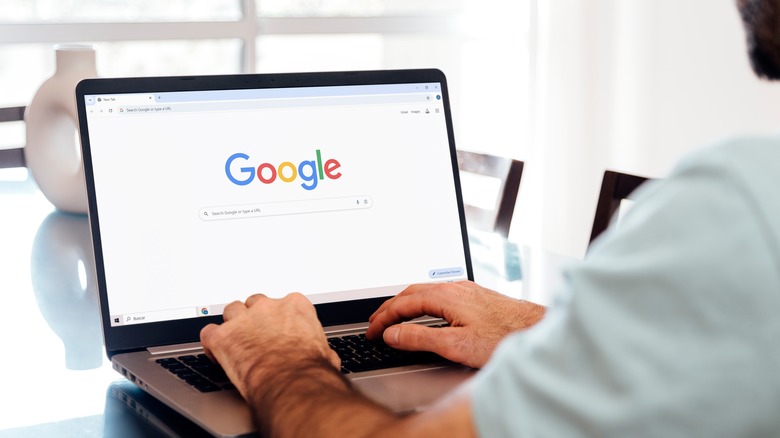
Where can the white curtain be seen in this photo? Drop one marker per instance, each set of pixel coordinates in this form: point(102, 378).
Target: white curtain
point(628, 85)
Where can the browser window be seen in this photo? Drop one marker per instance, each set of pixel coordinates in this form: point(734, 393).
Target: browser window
point(207, 197)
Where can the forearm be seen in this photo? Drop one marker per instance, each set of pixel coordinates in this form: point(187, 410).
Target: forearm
point(311, 397)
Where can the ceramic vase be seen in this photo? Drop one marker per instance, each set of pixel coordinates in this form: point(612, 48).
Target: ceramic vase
point(52, 152)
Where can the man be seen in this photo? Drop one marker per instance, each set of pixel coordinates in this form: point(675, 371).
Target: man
point(669, 328)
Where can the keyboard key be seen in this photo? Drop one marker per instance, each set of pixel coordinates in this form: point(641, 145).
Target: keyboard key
point(198, 371)
point(207, 387)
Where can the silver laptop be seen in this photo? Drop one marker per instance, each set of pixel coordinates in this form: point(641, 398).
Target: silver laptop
point(204, 190)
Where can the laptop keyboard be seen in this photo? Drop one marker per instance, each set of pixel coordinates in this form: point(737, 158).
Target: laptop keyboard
point(357, 354)
point(199, 371)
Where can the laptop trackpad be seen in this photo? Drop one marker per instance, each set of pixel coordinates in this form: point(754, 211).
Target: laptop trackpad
point(412, 390)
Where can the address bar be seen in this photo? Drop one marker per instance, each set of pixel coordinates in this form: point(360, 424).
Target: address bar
point(305, 206)
point(275, 103)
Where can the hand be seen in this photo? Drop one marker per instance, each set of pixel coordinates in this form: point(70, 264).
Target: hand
point(276, 354)
point(479, 319)
point(263, 335)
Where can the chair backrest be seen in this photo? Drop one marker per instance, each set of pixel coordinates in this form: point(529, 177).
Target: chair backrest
point(12, 157)
point(508, 172)
point(615, 187)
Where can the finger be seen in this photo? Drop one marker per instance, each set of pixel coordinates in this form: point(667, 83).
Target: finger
point(206, 335)
point(434, 303)
point(410, 290)
point(232, 310)
point(449, 289)
point(334, 359)
point(380, 309)
point(415, 337)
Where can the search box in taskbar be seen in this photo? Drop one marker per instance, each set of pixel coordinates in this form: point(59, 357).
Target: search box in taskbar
point(361, 202)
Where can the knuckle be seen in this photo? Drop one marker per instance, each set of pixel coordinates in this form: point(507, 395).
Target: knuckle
point(300, 303)
point(297, 298)
point(206, 333)
point(254, 298)
point(209, 335)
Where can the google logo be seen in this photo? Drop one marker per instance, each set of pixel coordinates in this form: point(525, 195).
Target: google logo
point(310, 171)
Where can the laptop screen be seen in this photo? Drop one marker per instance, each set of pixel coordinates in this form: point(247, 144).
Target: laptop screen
point(340, 192)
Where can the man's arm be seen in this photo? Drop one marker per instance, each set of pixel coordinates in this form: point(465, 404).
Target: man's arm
point(276, 354)
point(317, 399)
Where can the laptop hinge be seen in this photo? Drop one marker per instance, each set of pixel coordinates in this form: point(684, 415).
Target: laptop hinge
point(175, 349)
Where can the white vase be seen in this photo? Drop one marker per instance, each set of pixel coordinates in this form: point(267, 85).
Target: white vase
point(53, 152)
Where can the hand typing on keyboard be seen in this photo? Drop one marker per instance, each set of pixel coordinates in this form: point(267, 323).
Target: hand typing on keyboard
point(262, 336)
point(276, 354)
point(479, 319)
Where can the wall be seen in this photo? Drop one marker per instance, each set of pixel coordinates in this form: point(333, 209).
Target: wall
point(630, 85)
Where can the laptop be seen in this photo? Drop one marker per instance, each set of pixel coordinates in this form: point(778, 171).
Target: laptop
point(204, 190)
point(130, 412)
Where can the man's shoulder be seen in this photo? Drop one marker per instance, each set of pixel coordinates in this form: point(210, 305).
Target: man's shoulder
point(743, 157)
point(748, 166)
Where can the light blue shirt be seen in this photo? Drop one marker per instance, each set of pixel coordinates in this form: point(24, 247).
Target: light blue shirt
point(670, 327)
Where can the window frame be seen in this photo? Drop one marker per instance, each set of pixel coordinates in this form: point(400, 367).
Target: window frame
point(247, 29)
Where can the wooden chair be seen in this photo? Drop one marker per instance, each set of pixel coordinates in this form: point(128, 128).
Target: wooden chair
point(12, 157)
point(508, 172)
point(615, 187)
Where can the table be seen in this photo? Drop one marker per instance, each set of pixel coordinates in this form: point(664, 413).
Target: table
point(57, 380)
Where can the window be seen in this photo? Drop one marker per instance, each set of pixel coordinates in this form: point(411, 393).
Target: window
point(472, 41)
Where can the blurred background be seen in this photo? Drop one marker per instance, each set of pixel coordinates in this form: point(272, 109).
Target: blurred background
point(571, 87)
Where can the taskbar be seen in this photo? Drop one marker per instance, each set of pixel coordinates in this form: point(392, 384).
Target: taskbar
point(166, 314)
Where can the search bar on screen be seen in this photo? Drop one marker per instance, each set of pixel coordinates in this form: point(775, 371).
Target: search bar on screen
point(361, 202)
point(159, 315)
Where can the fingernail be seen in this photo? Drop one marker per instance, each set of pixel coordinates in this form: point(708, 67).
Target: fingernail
point(391, 335)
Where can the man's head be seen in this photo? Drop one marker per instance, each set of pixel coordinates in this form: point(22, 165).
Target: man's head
point(762, 27)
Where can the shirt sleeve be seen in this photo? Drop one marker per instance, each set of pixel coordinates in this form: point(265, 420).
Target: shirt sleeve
point(669, 327)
